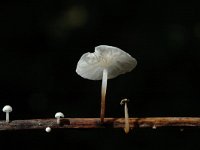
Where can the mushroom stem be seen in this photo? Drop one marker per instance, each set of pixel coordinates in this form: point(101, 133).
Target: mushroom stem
point(103, 94)
point(7, 117)
point(126, 129)
point(58, 120)
point(127, 126)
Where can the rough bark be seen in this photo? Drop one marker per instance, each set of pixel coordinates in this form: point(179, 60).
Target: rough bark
point(70, 123)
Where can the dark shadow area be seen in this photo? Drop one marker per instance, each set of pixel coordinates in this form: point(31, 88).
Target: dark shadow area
point(41, 42)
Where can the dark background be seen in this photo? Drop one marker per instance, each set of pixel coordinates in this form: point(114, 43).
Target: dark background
point(41, 42)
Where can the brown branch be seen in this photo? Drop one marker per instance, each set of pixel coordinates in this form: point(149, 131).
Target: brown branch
point(95, 123)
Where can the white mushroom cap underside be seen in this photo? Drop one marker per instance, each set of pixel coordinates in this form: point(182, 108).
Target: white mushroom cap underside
point(7, 108)
point(116, 61)
point(59, 114)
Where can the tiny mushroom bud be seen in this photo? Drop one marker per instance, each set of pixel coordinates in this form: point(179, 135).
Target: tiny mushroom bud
point(154, 127)
point(127, 127)
point(58, 115)
point(7, 109)
point(48, 129)
point(107, 62)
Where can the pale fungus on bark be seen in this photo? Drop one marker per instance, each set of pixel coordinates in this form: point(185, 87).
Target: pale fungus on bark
point(58, 115)
point(7, 109)
point(127, 126)
point(107, 62)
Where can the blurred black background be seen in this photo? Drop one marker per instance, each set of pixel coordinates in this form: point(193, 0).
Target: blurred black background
point(41, 42)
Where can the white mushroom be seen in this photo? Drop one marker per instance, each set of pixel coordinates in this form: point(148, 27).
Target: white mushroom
point(106, 62)
point(58, 115)
point(127, 126)
point(7, 109)
point(48, 129)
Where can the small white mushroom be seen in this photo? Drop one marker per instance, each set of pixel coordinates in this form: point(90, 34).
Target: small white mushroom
point(106, 62)
point(48, 129)
point(58, 115)
point(154, 127)
point(127, 127)
point(7, 109)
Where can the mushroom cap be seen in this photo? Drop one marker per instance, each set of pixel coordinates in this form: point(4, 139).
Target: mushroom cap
point(59, 114)
point(7, 108)
point(113, 59)
point(48, 129)
point(123, 101)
